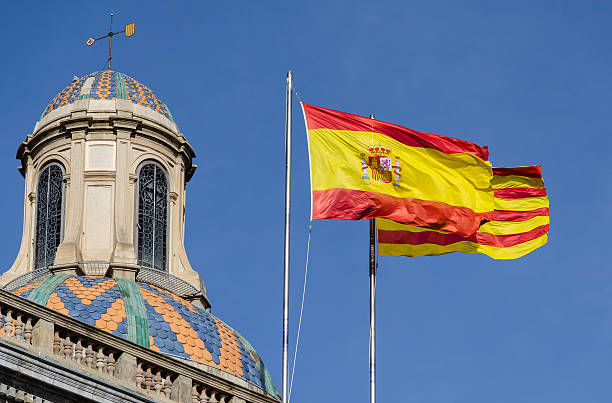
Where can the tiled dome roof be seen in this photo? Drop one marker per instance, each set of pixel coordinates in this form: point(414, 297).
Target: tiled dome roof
point(108, 84)
point(153, 318)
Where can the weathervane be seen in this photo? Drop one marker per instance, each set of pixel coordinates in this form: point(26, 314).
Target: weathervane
point(129, 31)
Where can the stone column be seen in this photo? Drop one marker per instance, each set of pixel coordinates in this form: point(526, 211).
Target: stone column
point(181, 389)
point(24, 260)
point(125, 368)
point(123, 258)
point(43, 336)
point(68, 252)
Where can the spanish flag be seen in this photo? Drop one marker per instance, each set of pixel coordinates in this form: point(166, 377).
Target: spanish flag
point(520, 223)
point(366, 168)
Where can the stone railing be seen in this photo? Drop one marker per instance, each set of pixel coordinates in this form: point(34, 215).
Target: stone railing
point(84, 352)
point(202, 394)
point(113, 360)
point(16, 325)
point(166, 281)
point(28, 278)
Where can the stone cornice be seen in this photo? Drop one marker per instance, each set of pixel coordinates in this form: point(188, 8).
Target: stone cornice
point(98, 175)
point(80, 126)
point(63, 377)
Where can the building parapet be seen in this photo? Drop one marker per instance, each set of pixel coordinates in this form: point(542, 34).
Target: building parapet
point(112, 360)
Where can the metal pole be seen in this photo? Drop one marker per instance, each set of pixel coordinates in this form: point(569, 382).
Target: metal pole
point(372, 308)
point(110, 41)
point(287, 233)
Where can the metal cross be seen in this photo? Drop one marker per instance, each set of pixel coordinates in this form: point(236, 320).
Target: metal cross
point(129, 31)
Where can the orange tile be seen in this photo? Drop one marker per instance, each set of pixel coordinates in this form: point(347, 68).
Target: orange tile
point(178, 325)
point(228, 344)
point(107, 318)
point(152, 344)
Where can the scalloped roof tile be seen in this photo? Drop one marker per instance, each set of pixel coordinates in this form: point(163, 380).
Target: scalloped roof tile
point(168, 323)
point(108, 84)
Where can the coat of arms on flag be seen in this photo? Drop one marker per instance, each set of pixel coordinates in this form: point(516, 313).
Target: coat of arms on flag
point(378, 164)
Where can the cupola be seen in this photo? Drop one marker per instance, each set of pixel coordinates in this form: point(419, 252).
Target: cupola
point(105, 172)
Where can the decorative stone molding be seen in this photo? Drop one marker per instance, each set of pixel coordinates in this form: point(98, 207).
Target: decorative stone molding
point(68, 268)
point(124, 270)
point(12, 394)
point(99, 175)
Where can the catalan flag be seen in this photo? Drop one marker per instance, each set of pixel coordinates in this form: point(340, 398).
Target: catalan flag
point(366, 168)
point(520, 223)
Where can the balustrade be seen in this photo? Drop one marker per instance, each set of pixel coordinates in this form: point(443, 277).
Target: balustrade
point(103, 355)
point(16, 325)
point(84, 352)
point(205, 394)
point(157, 381)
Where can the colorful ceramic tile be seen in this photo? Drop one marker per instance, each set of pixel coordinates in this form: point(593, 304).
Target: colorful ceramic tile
point(173, 325)
point(109, 84)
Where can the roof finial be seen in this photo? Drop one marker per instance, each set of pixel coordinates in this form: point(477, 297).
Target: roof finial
point(129, 31)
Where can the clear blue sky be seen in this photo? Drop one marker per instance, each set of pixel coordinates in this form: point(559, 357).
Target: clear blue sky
point(530, 79)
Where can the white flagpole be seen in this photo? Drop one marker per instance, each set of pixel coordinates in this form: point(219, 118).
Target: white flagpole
point(287, 233)
point(372, 307)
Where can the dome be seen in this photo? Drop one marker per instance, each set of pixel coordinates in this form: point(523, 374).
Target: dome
point(108, 84)
point(153, 318)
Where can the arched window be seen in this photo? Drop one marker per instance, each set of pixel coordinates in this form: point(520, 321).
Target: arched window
point(152, 222)
point(50, 197)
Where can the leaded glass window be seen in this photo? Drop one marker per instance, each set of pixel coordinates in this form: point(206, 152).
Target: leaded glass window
point(152, 216)
point(49, 194)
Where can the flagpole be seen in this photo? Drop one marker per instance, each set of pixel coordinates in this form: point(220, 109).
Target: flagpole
point(372, 307)
point(287, 233)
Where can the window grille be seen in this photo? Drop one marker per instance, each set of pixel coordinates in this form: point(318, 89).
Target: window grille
point(152, 216)
point(50, 196)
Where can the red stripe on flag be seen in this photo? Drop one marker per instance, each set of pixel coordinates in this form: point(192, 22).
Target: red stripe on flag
point(518, 216)
point(419, 238)
point(348, 204)
point(323, 118)
point(504, 241)
point(518, 193)
point(534, 171)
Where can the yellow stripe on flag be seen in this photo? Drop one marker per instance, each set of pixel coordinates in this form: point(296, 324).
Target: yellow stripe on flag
point(426, 249)
point(515, 251)
point(505, 228)
point(390, 225)
point(513, 181)
point(494, 252)
point(459, 179)
point(524, 204)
